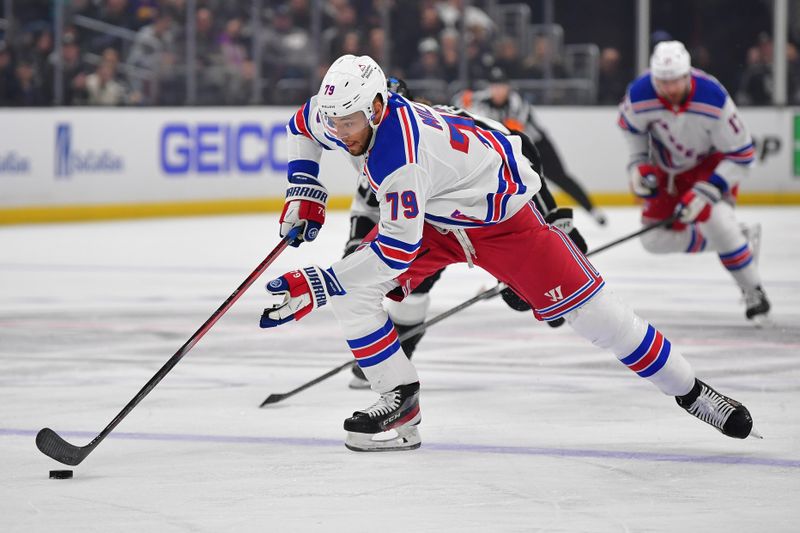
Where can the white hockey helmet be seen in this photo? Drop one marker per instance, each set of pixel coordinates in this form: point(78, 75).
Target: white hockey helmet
point(350, 85)
point(670, 61)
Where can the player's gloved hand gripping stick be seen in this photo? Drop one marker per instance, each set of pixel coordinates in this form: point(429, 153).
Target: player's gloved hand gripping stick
point(494, 291)
point(51, 444)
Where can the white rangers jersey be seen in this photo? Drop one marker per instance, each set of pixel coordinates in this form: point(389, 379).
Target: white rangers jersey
point(424, 166)
point(678, 138)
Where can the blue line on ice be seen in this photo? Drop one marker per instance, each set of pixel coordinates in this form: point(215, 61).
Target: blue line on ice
point(465, 448)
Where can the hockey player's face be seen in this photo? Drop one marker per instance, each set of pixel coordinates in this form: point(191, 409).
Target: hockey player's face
point(353, 130)
point(674, 91)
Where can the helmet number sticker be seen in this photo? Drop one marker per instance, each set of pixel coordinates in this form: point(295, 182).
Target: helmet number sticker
point(329, 89)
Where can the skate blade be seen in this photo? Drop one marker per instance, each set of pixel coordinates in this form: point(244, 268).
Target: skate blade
point(358, 383)
point(755, 433)
point(406, 439)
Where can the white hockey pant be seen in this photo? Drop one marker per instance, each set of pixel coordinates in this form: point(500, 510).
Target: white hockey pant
point(361, 315)
point(610, 324)
point(720, 233)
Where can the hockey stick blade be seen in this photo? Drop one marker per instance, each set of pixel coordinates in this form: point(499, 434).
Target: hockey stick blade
point(275, 398)
point(52, 445)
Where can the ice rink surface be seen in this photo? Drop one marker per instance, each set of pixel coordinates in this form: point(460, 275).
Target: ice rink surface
point(525, 428)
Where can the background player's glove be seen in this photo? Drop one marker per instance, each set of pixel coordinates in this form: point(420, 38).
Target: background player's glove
point(303, 291)
point(644, 180)
point(305, 207)
point(697, 202)
point(561, 218)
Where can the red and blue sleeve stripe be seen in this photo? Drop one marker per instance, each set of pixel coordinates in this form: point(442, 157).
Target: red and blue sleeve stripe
point(651, 355)
point(737, 259)
point(742, 156)
point(395, 253)
point(510, 181)
point(376, 347)
point(298, 125)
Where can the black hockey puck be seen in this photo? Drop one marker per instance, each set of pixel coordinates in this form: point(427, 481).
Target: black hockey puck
point(61, 474)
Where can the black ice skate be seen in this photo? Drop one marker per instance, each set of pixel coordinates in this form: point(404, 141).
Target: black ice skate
point(729, 416)
point(757, 306)
point(396, 410)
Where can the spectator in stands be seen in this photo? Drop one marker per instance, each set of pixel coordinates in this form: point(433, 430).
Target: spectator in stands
point(376, 43)
point(154, 52)
point(450, 54)
point(42, 50)
point(8, 80)
point(545, 61)
point(476, 19)
point(755, 87)
point(287, 48)
point(144, 12)
point(345, 21)
point(28, 91)
point(102, 87)
point(507, 57)
point(73, 73)
point(117, 13)
point(427, 66)
point(612, 82)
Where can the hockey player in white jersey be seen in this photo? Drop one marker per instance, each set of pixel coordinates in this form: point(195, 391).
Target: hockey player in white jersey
point(689, 151)
point(412, 311)
point(449, 192)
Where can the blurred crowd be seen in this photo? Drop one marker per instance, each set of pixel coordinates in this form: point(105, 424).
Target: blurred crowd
point(134, 52)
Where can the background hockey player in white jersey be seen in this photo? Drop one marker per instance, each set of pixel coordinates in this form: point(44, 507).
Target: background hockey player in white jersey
point(501, 103)
point(412, 311)
point(689, 151)
point(449, 192)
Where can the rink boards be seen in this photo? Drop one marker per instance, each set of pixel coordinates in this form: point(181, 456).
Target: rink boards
point(74, 164)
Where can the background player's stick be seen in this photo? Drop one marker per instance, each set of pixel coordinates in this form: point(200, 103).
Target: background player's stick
point(494, 291)
point(52, 445)
point(640, 231)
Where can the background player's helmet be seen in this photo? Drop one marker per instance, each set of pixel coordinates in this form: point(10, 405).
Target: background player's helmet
point(351, 85)
point(670, 61)
point(398, 86)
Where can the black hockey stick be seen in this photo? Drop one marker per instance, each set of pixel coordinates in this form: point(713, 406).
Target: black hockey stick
point(51, 444)
point(494, 291)
point(640, 231)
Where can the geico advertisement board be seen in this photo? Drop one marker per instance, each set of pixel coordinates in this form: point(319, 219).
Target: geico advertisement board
point(93, 156)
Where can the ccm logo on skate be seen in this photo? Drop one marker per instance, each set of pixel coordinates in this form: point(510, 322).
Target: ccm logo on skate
point(555, 294)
